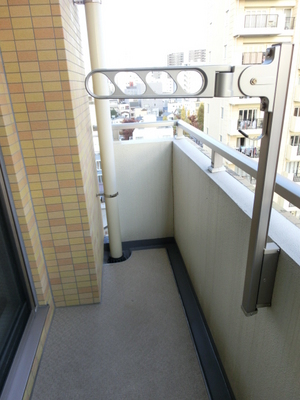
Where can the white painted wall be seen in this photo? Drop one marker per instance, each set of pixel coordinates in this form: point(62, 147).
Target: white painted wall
point(144, 181)
point(212, 223)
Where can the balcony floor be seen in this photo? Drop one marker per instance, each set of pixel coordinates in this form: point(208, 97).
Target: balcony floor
point(136, 344)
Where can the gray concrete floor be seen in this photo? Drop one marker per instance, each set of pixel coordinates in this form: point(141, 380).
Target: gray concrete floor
point(136, 344)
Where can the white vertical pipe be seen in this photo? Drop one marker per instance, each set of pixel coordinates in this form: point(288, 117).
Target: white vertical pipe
point(96, 46)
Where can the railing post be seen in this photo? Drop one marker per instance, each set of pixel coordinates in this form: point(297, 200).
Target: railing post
point(115, 135)
point(217, 164)
point(179, 132)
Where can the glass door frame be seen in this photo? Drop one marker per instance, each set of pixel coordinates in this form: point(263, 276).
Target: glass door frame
point(19, 373)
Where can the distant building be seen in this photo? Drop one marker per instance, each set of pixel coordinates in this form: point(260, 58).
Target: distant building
point(239, 33)
point(176, 58)
point(197, 56)
point(186, 58)
point(154, 104)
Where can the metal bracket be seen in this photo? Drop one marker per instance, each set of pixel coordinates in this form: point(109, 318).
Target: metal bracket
point(216, 81)
point(268, 272)
point(262, 78)
point(107, 196)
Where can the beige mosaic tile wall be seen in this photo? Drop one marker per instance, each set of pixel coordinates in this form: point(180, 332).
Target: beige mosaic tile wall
point(40, 43)
point(11, 150)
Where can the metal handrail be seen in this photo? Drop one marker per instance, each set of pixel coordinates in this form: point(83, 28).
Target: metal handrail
point(256, 123)
point(133, 125)
point(284, 187)
point(296, 178)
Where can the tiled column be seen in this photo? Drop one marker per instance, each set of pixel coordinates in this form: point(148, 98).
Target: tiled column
point(40, 42)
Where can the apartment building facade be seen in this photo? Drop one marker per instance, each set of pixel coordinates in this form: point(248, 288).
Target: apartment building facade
point(239, 33)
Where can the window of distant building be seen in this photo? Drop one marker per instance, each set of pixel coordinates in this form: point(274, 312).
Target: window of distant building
point(240, 142)
point(253, 57)
point(248, 119)
point(292, 167)
point(289, 20)
point(256, 18)
point(295, 140)
point(247, 115)
point(222, 112)
point(225, 51)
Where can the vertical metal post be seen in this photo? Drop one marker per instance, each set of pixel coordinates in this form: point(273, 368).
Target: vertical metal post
point(95, 38)
point(217, 163)
point(179, 132)
point(270, 146)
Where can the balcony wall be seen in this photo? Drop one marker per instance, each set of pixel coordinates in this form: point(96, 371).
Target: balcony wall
point(297, 93)
point(295, 124)
point(260, 354)
point(211, 227)
point(276, 24)
point(291, 153)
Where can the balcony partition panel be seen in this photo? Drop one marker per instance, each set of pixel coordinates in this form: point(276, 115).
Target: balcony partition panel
point(144, 178)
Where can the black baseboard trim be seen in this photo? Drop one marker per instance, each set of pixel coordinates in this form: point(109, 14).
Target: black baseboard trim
point(214, 374)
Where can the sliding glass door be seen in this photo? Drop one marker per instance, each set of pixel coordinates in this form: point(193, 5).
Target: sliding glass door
point(15, 305)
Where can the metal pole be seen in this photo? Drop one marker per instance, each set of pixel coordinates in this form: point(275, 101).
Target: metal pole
point(95, 39)
point(266, 175)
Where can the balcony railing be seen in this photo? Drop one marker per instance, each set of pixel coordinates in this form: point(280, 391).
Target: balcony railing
point(289, 23)
point(252, 152)
point(250, 124)
point(284, 187)
point(296, 178)
point(261, 21)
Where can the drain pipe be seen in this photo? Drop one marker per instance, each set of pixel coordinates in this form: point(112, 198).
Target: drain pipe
point(105, 135)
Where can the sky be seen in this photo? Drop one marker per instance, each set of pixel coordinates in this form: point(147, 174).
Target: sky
point(141, 33)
